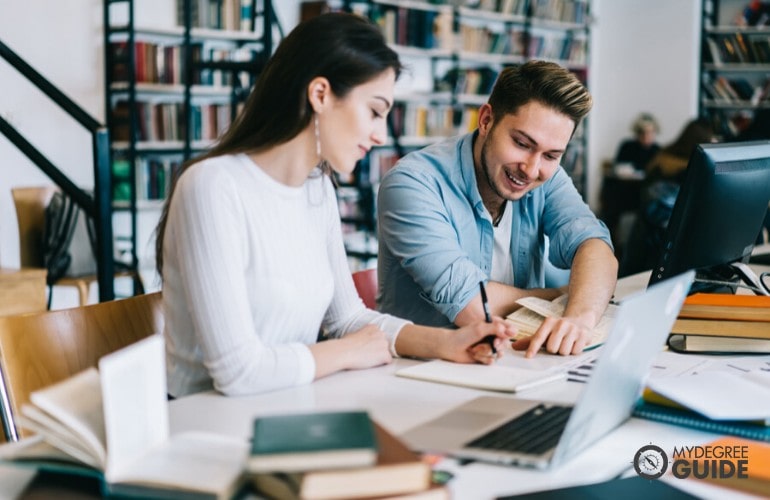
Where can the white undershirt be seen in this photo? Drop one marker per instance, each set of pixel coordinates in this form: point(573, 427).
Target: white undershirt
point(502, 267)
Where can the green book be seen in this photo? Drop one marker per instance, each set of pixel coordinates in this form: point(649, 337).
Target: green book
point(312, 441)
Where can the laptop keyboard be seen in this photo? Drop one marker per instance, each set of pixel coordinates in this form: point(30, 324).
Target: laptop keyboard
point(533, 432)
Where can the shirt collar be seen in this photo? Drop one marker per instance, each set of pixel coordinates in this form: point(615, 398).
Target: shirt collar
point(468, 171)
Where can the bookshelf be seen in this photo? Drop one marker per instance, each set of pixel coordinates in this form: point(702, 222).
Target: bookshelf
point(735, 64)
point(453, 52)
point(170, 92)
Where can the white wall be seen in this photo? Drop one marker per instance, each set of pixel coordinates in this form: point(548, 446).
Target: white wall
point(62, 40)
point(644, 57)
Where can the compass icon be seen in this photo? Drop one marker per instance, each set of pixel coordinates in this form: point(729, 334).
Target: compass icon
point(650, 462)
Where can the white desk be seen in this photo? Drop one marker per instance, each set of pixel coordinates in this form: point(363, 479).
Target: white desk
point(398, 404)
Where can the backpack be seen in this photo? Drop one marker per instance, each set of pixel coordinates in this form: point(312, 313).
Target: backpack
point(69, 240)
point(69, 244)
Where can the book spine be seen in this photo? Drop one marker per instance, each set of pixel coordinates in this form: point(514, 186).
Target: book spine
point(686, 419)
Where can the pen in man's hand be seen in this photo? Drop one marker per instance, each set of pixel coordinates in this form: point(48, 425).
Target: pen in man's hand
point(489, 339)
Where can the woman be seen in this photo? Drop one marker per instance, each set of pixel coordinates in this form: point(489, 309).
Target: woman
point(250, 246)
point(642, 148)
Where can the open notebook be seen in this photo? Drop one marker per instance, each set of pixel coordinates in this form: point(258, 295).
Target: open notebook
point(510, 373)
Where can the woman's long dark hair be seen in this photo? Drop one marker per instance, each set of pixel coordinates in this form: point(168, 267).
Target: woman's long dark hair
point(346, 49)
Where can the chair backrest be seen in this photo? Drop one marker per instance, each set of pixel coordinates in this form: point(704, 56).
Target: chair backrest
point(30, 203)
point(37, 350)
point(366, 285)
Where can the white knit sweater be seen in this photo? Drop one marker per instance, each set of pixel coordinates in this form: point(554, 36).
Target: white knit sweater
point(252, 270)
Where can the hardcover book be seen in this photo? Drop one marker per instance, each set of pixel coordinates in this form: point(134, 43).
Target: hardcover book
point(723, 328)
point(726, 306)
point(718, 344)
point(397, 471)
point(309, 441)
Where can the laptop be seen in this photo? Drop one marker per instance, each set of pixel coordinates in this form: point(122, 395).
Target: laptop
point(544, 434)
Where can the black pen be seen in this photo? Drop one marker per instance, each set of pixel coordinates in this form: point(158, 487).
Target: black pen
point(489, 339)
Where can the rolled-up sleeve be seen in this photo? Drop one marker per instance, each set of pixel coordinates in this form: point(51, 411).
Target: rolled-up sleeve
point(418, 231)
point(568, 220)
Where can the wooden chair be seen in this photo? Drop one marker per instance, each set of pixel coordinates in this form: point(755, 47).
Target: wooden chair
point(30, 203)
point(37, 350)
point(366, 286)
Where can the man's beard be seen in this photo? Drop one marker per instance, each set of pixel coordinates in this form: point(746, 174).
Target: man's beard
point(487, 173)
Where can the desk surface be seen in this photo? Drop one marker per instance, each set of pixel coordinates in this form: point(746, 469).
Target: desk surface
point(399, 403)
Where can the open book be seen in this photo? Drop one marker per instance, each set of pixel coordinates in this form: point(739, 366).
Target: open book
point(533, 311)
point(115, 421)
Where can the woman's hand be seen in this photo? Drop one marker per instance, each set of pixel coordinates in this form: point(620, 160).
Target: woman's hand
point(365, 348)
point(469, 344)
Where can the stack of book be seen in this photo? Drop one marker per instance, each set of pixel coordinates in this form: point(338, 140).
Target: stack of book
point(335, 455)
point(713, 322)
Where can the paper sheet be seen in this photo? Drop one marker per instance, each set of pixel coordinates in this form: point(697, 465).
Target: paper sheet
point(719, 395)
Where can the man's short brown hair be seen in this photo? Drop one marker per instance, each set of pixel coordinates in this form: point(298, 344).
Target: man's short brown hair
point(542, 81)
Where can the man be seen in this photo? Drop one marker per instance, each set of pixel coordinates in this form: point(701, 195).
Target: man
point(481, 207)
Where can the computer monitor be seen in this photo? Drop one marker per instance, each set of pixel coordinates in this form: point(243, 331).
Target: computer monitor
point(717, 215)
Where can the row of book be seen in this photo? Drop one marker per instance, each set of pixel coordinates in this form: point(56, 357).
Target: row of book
point(477, 81)
point(733, 90)
point(516, 42)
point(429, 30)
point(231, 15)
point(414, 27)
point(511, 7)
point(164, 63)
point(153, 176)
point(423, 119)
point(482, 39)
point(738, 48)
point(566, 11)
point(558, 47)
point(164, 121)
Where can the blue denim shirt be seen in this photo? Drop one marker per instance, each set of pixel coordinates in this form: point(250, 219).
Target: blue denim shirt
point(436, 237)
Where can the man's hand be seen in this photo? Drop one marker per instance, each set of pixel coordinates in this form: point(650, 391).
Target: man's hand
point(558, 336)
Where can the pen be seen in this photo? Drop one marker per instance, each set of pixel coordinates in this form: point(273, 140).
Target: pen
point(489, 339)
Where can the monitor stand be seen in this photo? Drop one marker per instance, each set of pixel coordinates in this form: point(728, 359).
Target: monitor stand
point(726, 278)
point(748, 276)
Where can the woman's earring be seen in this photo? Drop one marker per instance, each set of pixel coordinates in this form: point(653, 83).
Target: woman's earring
point(317, 138)
point(322, 164)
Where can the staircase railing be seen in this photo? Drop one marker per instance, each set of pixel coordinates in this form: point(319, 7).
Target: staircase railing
point(98, 206)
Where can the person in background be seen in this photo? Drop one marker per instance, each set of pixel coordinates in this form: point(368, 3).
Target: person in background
point(670, 164)
point(250, 245)
point(665, 173)
point(643, 147)
point(479, 207)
